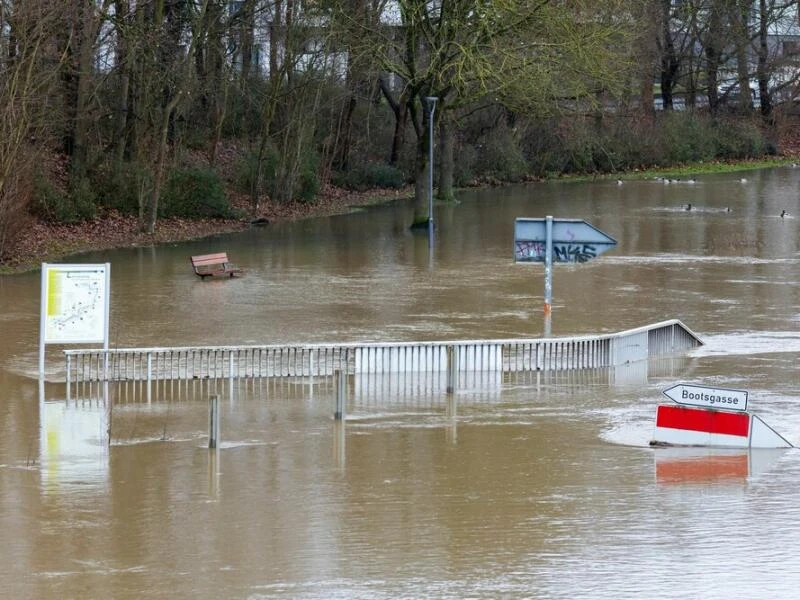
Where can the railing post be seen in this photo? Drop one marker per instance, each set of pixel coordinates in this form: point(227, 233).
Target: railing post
point(69, 374)
point(149, 377)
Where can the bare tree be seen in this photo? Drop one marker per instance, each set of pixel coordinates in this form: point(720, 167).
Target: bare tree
point(27, 85)
point(78, 41)
point(522, 52)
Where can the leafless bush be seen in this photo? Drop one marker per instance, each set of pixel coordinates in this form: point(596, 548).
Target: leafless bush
point(28, 72)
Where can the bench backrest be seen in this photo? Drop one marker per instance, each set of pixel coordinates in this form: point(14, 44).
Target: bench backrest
point(207, 260)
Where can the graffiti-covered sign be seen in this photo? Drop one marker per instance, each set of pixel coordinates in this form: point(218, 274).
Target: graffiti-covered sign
point(574, 240)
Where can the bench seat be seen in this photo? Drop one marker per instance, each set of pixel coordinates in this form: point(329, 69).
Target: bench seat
point(214, 265)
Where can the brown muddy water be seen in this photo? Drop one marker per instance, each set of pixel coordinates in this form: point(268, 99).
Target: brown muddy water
point(534, 485)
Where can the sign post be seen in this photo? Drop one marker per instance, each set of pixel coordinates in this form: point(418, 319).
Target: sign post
point(548, 270)
point(551, 240)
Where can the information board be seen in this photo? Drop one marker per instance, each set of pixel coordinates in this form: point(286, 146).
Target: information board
point(75, 305)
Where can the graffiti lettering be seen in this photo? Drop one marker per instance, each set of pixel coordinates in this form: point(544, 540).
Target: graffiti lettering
point(563, 253)
point(530, 251)
point(573, 252)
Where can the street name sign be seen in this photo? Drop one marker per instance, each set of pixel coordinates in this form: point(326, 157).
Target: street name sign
point(552, 240)
point(707, 397)
point(574, 240)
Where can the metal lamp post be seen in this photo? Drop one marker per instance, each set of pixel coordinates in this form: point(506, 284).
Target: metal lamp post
point(431, 102)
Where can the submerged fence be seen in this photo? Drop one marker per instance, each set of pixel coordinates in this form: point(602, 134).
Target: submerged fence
point(309, 360)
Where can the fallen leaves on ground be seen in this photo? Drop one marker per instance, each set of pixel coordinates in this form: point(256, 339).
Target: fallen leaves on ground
point(42, 241)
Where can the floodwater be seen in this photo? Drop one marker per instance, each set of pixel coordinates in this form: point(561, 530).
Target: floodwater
point(533, 485)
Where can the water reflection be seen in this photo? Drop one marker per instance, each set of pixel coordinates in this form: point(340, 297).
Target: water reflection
point(534, 485)
point(74, 447)
point(703, 466)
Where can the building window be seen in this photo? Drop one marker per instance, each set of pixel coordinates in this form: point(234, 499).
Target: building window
point(790, 48)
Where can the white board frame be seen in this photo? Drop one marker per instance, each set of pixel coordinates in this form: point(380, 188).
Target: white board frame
point(91, 332)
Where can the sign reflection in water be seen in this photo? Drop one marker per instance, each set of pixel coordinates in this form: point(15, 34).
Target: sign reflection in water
point(73, 450)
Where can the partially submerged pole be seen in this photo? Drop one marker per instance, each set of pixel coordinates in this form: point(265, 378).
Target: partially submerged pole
point(548, 276)
point(339, 384)
point(452, 369)
point(213, 421)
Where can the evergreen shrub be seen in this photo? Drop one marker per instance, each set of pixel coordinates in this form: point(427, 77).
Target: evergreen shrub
point(499, 156)
point(582, 146)
point(369, 176)
point(634, 144)
point(123, 189)
point(194, 193)
point(739, 139)
point(247, 172)
point(465, 157)
point(83, 199)
point(54, 205)
point(308, 178)
point(543, 148)
point(687, 137)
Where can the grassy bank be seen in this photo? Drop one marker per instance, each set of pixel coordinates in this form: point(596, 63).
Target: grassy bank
point(683, 171)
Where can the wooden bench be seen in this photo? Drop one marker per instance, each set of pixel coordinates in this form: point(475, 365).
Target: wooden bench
point(214, 265)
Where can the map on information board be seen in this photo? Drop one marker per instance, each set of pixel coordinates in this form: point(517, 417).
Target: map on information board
point(75, 304)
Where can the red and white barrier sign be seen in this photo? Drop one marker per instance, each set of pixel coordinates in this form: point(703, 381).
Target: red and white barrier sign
point(688, 426)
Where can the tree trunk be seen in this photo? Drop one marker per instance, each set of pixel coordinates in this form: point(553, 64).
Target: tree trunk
point(691, 85)
point(763, 56)
point(446, 158)
point(423, 196)
point(86, 39)
point(669, 58)
point(341, 155)
point(274, 46)
point(420, 219)
point(399, 134)
point(742, 42)
point(122, 118)
point(400, 110)
point(149, 226)
point(713, 54)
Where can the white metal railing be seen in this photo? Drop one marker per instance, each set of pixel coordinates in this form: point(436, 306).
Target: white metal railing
point(309, 360)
